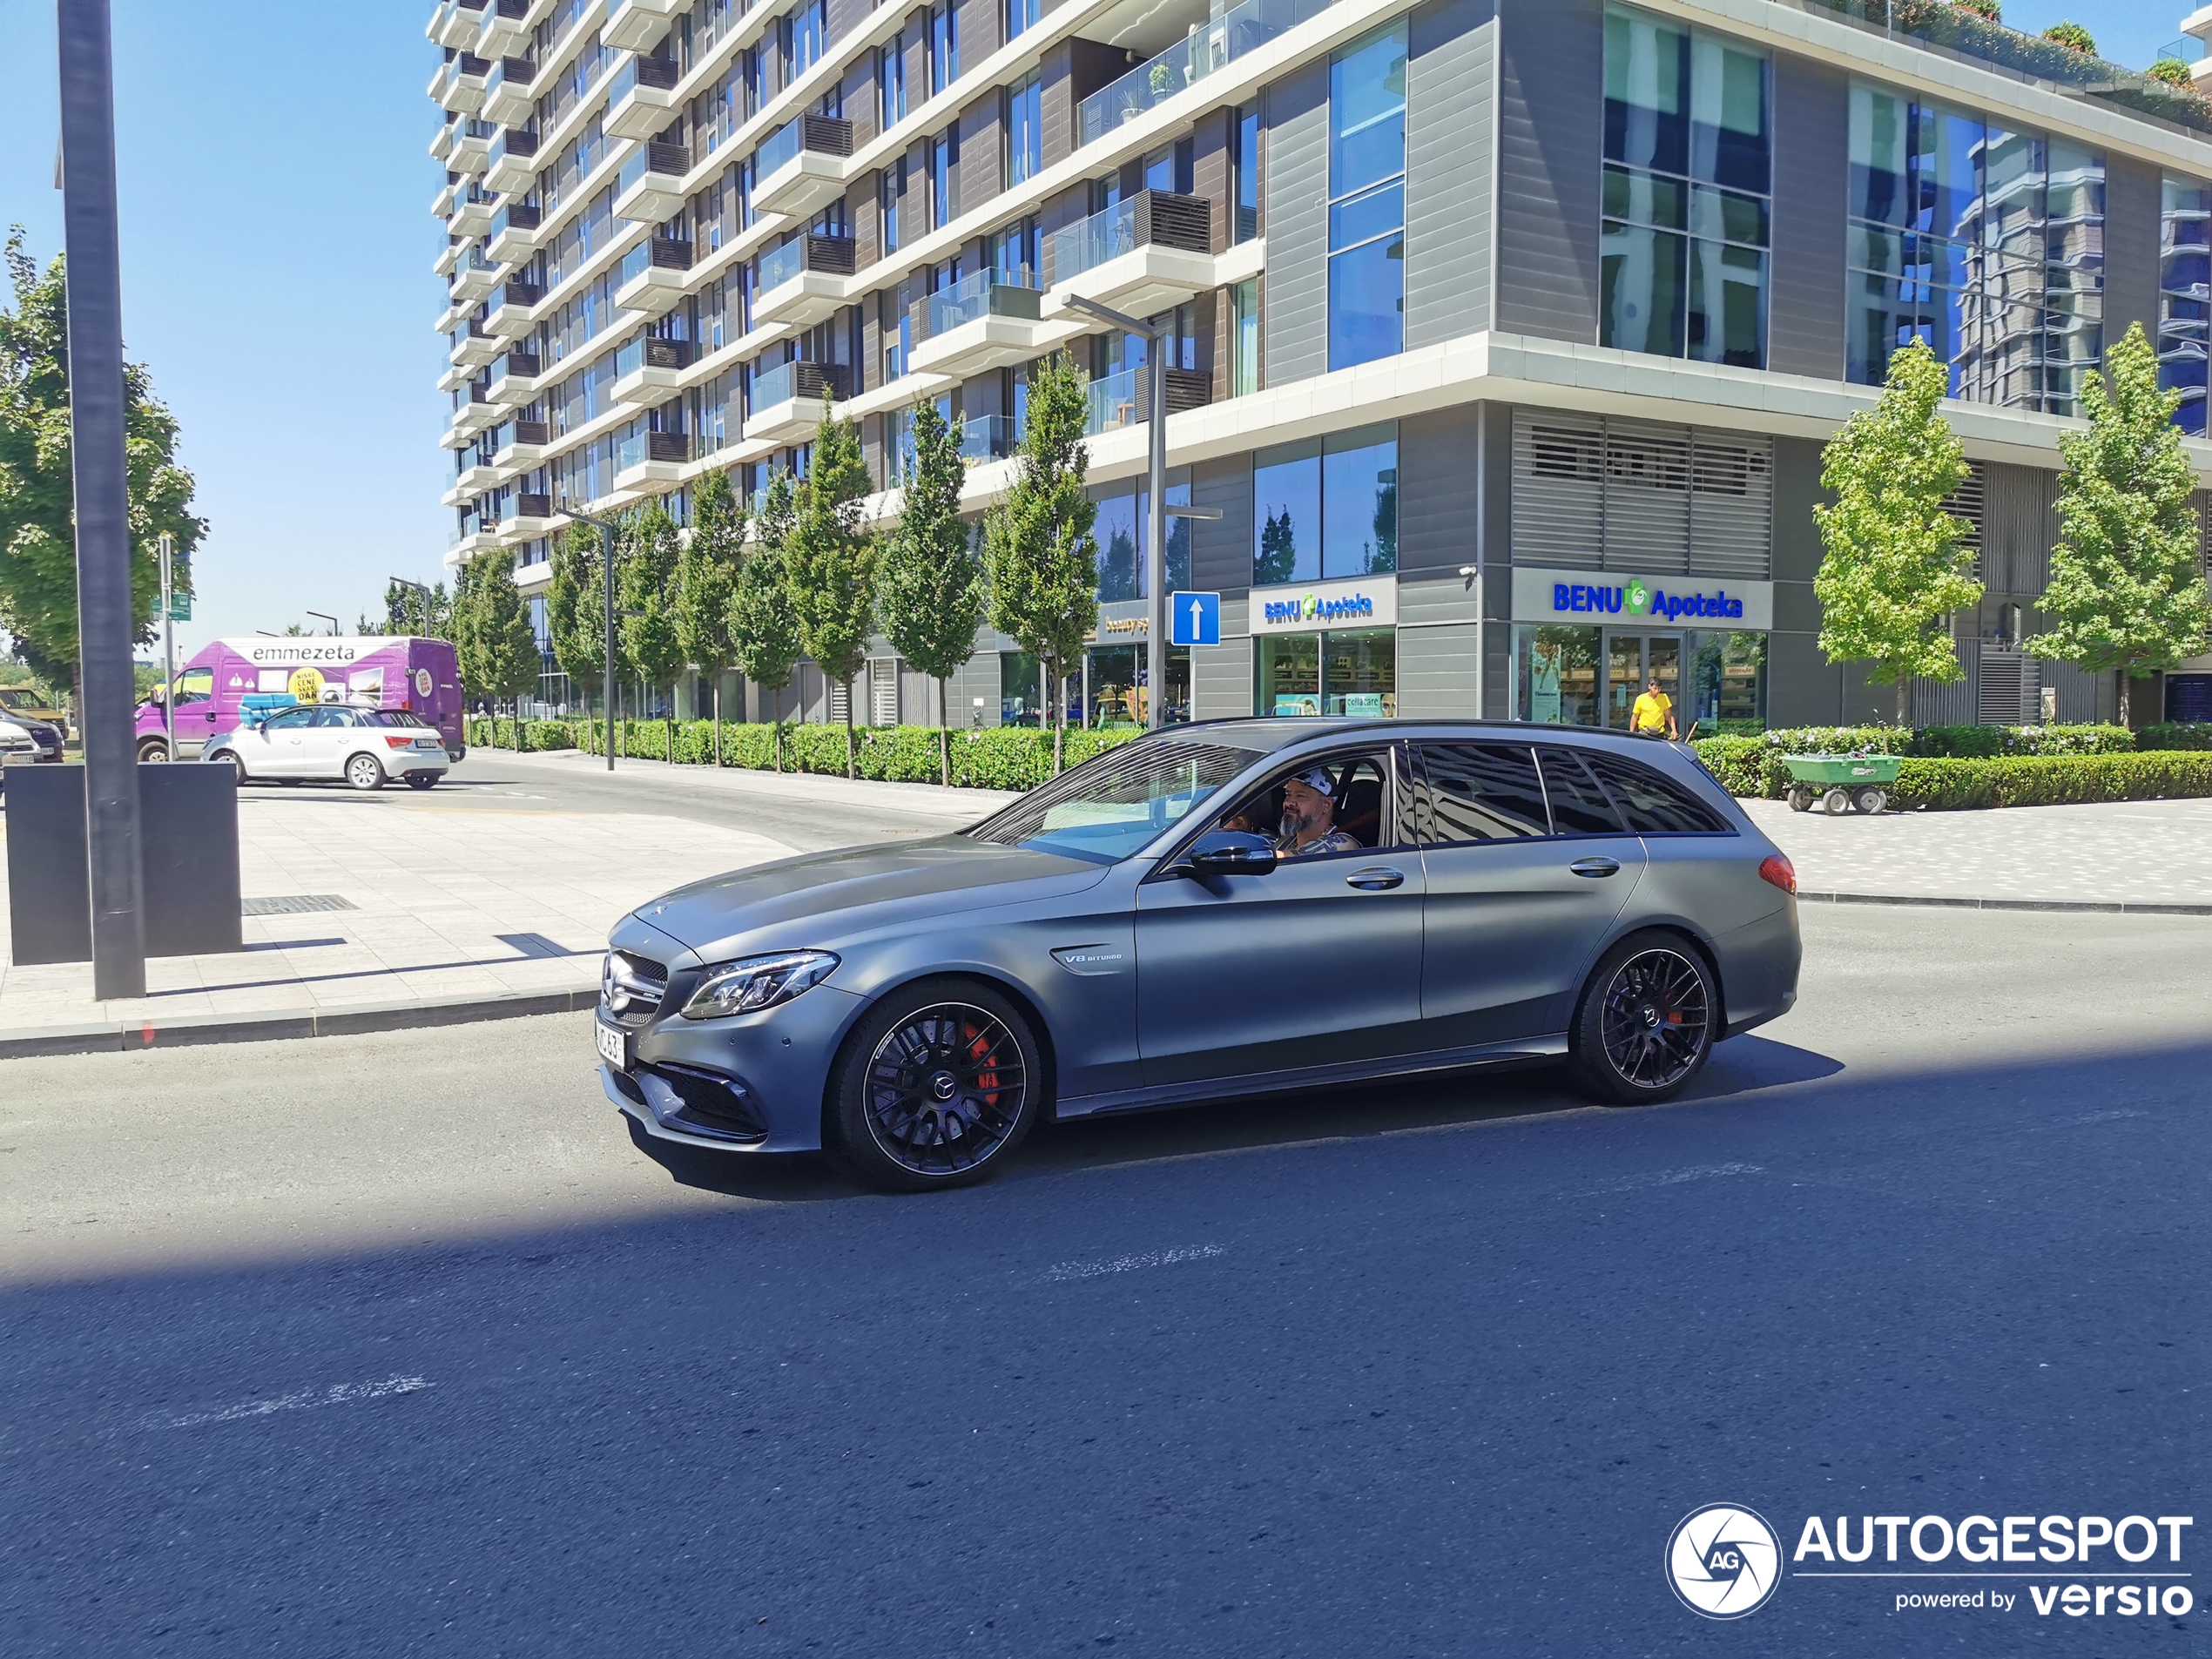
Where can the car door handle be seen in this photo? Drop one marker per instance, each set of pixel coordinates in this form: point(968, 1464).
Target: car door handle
point(1378, 879)
point(1596, 866)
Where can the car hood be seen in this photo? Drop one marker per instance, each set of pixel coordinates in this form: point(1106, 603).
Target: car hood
point(828, 897)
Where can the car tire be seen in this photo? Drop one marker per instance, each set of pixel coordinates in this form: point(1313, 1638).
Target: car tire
point(237, 766)
point(920, 1098)
point(365, 771)
point(1646, 1021)
point(153, 751)
point(420, 779)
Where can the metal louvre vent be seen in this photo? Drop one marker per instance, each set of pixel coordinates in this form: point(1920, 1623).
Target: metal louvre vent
point(1970, 501)
point(1639, 497)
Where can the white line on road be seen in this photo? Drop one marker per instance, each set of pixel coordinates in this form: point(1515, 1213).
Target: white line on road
point(1064, 1271)
point(305, 1399)
point(1673, 1177)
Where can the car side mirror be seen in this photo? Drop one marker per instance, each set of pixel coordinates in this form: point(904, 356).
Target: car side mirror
point(1231, 852)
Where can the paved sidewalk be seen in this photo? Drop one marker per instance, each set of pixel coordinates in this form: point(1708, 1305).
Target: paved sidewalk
point(957, 806)
point(2143, 852)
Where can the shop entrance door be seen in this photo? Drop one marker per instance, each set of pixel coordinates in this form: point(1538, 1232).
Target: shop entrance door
point(1632, 661)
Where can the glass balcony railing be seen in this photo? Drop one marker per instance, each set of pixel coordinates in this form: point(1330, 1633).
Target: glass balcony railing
point(779, 265)
point(1113, 402)
point(972, 297)
point(1212, 49)
point(634, 263)
point(1092, 241)
point(777, 386)
point(668, 160)
point(642, 447)
point(779, 147)
point(987, 437)
point(641, 70)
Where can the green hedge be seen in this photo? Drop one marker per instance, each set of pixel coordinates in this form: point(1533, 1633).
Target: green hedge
point(2175, 734)
point(1753, 765)
point(1003, 756)
point(2048, 780)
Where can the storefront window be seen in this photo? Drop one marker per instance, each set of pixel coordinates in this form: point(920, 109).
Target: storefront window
point(1290, 674)
point(1727, 677)
point(1113, 693)
point(1590, 676)
point(1327, 509)
point(1558, 675)
point(1353, 673)
point(1020, 699)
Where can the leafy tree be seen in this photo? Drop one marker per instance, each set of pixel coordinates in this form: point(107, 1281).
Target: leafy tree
point(932, 582)
point(1894, 573)
point(829, 560)
point(1278, 549)
point(1039, 551)
point(2127, 590)
point(764, 629)
point(409, 611)
point(38, 529)
point(2174, 72)
point(575, 615)
point(652, 642)
point(503, 642)
point(2073, 36)
point(707, 577)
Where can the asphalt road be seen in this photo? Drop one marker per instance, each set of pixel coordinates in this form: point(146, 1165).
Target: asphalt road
point(398, 1345)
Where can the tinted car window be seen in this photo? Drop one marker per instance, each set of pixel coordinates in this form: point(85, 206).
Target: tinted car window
point(1651, 805)
point(388, 717)
point(289, 720)
point(1579, 806)
point(1481, 791)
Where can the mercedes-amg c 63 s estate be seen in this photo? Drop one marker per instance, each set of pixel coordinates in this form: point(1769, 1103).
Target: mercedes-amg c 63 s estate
point(1224, 909)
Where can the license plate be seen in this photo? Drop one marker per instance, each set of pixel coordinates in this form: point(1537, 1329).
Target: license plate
point(614, 1045)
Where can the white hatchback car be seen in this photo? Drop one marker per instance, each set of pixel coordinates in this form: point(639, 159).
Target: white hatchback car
point(362, 746)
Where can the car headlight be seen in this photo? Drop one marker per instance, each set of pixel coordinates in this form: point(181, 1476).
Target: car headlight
point(756, 982)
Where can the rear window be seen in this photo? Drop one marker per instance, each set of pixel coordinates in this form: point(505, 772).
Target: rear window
point(388, 717)
point(1579, 806)
point(1481, 791)
point(1651, 803)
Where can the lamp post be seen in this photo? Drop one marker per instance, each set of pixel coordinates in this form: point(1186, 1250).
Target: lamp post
point(401, 581)
point(168, 646)
point(1156, 512)
point(323, 616)
point(606, 527)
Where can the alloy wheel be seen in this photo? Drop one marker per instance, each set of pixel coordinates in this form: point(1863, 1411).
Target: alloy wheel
point(945, 1089)
point(1655, 1019)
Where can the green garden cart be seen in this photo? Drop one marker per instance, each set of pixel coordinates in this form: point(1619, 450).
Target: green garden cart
point(1840, 783)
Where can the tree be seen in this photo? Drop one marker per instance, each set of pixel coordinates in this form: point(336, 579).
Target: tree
point(422, 614)
point(707, 577)
point(764, 629)
point(2073, 36)
point(1038, 548)
point(575, 616)
point(1278, 549)
point(1894, 573)
point(652, 644)
point(37, 528)
point(503, 641)
point(931, 596)
point(829, 560)
point(2127, 591)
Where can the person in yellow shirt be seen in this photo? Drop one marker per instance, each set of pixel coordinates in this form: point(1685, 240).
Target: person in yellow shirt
point(1654, 713)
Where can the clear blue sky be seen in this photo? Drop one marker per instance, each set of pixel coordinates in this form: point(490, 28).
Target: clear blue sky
point(277, 242)
point(275, 187)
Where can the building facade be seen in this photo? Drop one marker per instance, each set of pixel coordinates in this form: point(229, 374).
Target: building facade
point(1502, 335)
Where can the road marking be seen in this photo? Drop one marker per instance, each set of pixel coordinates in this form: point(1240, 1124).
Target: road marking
point(305, 1399)
point(1064, 1271)
point(1674, 1177)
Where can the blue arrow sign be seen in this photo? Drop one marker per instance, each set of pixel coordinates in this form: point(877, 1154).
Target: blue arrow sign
point(1194, 619)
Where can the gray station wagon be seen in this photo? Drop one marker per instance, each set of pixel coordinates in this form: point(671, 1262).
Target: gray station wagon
point(1231, 908)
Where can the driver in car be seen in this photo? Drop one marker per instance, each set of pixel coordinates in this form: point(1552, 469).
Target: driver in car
point(1309, 826)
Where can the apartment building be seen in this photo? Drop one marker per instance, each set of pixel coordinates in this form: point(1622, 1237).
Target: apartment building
point(1502, 335)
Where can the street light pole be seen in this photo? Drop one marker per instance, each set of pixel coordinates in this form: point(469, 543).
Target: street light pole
point(101, 499)
point(168, 647)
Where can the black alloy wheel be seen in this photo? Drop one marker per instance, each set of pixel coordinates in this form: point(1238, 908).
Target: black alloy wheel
point(1646, 1023)
point(934, 1087)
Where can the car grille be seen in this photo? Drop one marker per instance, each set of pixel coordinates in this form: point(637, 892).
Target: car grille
point(631, 987)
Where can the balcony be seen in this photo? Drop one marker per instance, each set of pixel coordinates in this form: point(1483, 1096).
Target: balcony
point(1141, 256)
point(648, 370)
point(468, 143)
point(507, 92)
point(650, 458)
point(985, 438)
point(1125, 399)
point(474, 479)
point(800, 168)
point(514, 233)
point(787, 402)
point(474, 209)
point(473, 346)
point(650, 187)
point(510, 312)
point(520, 443)
point(457, 24)
point(1211, 50)
point(512, 164)
point(635, 24)
point(526, 515)
point(473, 414)
point(459, 84)
point(516, 378)
point(641, 97)
point(802, 282)
point(473, 278)
point(505, 26)
point(984, 321)
point(652, 275)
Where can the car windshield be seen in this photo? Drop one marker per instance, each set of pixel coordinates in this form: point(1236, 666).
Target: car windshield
point(1108, 808)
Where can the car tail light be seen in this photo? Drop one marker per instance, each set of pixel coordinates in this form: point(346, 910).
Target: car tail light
point(401, 743)
point(1780, 871)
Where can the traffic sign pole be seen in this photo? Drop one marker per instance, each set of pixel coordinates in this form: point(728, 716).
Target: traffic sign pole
point(168, 644)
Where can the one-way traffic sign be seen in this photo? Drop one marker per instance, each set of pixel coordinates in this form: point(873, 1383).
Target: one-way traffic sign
point(1194, 619)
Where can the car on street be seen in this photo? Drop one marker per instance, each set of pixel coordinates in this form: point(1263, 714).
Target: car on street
point(22, 739)
point(23, 705)
point(331, 743)
point(1446, 896)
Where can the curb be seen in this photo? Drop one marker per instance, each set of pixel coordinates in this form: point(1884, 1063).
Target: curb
point(274, 1027)
point(2087, 906)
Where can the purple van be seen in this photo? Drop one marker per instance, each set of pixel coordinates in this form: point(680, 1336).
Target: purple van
point(418, 674)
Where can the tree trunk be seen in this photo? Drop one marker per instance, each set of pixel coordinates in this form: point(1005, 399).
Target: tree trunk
point(944, 737)
point(671, 725)
point(1059, 697)
point(848, 731)
point(2124, 700)
point(717, 722)
point(775, 738)
point(1903, 700)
